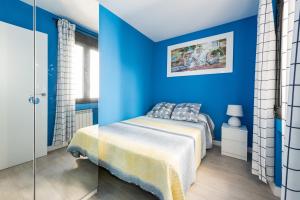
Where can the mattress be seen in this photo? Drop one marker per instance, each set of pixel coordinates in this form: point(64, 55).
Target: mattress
point(161, 156)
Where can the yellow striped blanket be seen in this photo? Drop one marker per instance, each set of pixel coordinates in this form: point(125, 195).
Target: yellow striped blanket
point(158, 156)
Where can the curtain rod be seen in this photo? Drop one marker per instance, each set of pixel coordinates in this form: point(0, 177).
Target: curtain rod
point(80, 29)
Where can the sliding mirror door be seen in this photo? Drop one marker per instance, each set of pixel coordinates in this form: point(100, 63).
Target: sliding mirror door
point(16, 100)
point(67, 81)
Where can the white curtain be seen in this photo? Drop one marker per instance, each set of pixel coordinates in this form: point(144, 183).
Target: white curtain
point(291, 158)
point(264, 95)
point(286, 47)
point(65, 101)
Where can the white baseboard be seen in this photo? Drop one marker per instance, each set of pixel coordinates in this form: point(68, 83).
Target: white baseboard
point(275, 189)
point(53, 148)
point(218, 143)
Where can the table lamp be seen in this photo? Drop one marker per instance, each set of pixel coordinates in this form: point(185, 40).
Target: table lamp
point(234, 111)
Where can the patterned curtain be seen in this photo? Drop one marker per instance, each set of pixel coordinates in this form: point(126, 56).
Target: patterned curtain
point(286, 47)
point(291, 159)
point(264, 94)
point(65, 101)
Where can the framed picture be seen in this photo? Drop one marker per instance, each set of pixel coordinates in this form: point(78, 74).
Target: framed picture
point(210, 55)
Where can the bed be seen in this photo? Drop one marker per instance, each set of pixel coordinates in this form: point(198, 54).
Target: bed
point(159, 155)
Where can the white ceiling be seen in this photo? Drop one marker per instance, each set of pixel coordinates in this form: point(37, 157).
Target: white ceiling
point(83, 12)
point(157, 19)
point(163, 19)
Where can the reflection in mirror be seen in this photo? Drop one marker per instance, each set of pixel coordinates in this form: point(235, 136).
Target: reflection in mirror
point(16, 111)
point(65, 81)
point(68, 72)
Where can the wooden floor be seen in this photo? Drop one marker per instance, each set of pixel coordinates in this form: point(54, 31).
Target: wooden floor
point(218, 178)
point(59, 177)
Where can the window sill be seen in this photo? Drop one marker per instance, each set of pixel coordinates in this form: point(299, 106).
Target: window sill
point(86, 100)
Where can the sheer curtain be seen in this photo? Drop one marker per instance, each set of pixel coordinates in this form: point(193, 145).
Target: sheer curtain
point(291, 127)
point(65, 100)
point(264, 94)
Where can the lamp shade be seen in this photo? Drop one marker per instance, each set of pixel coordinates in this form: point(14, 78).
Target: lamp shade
point(235, 110)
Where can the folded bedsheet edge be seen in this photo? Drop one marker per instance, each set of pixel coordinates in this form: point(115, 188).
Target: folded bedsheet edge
point(77, 151)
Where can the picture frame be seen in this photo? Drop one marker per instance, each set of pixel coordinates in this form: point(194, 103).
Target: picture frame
point(209, 55)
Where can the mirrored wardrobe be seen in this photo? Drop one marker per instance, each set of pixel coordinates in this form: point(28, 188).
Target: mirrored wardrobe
point(16, 113)
point(49, 87)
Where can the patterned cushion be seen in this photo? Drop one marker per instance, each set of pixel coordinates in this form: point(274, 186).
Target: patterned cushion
point(162, 110)
point(186, 112)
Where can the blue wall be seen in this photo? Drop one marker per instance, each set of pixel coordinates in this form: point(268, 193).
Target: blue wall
point(125, 70)
point(20, 14)
point(214, 91)
point(278, 153)
point(16, 12)
point(46, 24)
point(278, 132)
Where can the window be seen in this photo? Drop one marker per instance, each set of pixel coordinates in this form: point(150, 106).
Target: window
point(86, 68)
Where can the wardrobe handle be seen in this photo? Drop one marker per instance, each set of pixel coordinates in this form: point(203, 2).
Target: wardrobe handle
point(33, 100)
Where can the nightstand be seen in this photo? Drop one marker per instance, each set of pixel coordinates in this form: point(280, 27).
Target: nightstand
point(234, 141)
